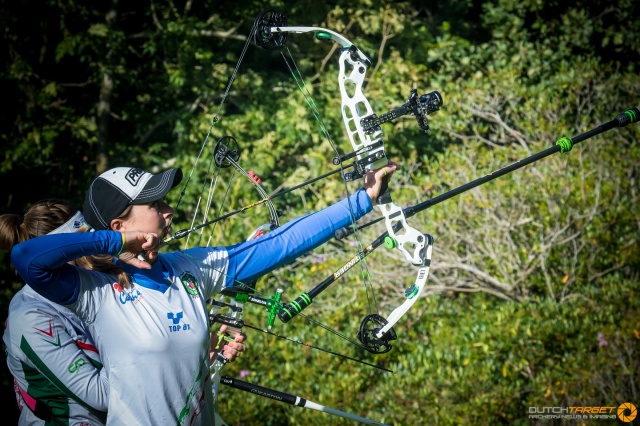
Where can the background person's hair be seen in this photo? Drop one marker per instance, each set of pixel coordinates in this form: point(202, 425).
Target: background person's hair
point(40, 219)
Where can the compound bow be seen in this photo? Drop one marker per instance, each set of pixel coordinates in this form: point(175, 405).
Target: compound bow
point(365, 134)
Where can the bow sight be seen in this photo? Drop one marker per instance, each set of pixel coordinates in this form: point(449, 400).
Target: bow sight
point(418, 106)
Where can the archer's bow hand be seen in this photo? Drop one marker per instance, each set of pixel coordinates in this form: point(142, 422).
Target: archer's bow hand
point(376, 179)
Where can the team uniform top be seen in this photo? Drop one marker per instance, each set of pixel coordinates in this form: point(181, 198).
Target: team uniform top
point(54, 363)
point(153, 338)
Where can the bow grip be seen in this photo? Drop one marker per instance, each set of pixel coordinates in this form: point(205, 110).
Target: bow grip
point(384, 197)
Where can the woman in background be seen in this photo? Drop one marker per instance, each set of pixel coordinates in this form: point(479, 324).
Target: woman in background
point(58, 376)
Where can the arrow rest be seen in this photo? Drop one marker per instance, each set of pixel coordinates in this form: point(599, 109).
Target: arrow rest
point(262, 35)
point(369, 328)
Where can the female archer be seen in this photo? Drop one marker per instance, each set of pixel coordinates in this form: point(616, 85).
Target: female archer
point(153, 333)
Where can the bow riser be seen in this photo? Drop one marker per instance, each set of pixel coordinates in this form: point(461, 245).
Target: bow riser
point(355, 107)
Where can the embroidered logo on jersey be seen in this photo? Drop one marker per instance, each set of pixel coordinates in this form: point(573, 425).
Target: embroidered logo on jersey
point(190, 284)
point(76, 365)
point(127, 295)
point(50, 339)
point(175, 319)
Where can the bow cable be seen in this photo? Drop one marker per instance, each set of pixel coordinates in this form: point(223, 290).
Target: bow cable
point(214, 120)
point(302, 86)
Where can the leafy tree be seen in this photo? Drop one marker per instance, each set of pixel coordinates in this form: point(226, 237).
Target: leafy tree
point(532, 298)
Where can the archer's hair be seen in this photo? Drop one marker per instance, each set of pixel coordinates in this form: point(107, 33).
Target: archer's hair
point(43, 217)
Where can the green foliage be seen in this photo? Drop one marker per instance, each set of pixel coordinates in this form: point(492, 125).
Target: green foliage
point(533, 295)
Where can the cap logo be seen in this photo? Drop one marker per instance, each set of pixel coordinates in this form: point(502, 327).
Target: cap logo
point(133, 176)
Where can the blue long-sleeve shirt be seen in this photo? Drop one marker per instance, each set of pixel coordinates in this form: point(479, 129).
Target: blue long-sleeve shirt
point(154, 337)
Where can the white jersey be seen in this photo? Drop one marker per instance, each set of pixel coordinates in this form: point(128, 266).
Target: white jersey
point(154, 337)
point(54, 363)
point(163, 327)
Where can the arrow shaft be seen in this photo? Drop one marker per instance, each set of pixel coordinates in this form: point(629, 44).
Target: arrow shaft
point(291, 399)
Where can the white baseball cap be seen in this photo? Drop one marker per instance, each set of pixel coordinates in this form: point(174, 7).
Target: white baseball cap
point(116, 189)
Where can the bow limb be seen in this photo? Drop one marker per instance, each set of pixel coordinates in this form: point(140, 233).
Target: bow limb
point(273, 212)
point(413, 292)
point(225, 154)
point(321, 33)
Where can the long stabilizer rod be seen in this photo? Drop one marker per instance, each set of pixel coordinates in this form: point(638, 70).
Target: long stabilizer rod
point(291, 399)
point(563, 145)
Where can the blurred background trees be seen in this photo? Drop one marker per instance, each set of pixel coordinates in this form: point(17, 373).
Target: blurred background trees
point(533, 295)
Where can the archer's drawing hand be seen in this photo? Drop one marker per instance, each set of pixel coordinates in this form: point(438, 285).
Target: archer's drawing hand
point(140, 243)
point(373, 179)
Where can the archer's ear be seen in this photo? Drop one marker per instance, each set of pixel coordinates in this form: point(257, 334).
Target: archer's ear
point(117, 225)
